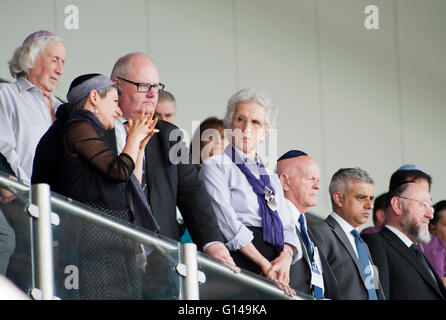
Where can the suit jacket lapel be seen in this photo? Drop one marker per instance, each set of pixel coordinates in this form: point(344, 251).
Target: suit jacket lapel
point(403, 250)
point(345, 242)
point(304, 247)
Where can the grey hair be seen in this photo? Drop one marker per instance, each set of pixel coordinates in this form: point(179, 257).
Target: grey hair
point(24, 56)
point(252, 95)
point(342, 179)
point(102, 93)
point(166, 96)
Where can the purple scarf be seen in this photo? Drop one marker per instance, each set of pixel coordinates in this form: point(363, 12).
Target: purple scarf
point(272, 226)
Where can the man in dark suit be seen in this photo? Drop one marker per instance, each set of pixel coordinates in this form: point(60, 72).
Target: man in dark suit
point(404, 271)
point(299, 176)
point(170, 182)
point(351, 192)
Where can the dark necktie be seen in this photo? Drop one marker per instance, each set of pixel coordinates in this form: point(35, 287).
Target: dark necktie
point(317, 291)
point(364, 262)
point(420, 256)
point(144, 179)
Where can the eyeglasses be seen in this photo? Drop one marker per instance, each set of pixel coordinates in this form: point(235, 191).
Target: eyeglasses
point(425, 204)
point(145, 87)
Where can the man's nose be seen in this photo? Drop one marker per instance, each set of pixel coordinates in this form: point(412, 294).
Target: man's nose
point(59, 68)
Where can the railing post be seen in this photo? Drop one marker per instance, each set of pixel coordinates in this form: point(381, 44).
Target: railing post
point(43, 241)
point(189, 283)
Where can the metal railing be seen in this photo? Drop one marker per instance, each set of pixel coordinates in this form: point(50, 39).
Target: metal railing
point(43, 255)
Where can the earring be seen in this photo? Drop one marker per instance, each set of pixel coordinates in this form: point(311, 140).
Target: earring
point(96, 110)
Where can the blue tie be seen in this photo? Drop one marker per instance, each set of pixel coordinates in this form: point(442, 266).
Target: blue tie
point(317, 291)
point(364, 262)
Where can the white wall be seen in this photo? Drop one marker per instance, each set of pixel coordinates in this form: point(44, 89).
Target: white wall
point(347, 95)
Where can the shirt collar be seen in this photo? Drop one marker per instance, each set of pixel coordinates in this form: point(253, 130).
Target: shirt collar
point(347, 227)
point(121, 120)
point(295, 213)
point(240, 155)
point(23, 84)
point(400, 235)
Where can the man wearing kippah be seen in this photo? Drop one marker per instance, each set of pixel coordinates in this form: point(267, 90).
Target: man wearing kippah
point(299, 176)
point(407, 172)
point(405, 272)
point(27, 110)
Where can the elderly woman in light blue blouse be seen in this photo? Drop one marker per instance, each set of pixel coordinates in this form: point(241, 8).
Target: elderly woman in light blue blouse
point(248, 199)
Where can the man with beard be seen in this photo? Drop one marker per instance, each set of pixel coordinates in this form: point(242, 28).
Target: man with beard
point(404, 271)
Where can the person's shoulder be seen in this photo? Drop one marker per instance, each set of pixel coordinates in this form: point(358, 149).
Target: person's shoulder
point(7, 86)
point(320, 227)
point(165, 126)
point(437, 242)
point(7, 90)
point(372, 238)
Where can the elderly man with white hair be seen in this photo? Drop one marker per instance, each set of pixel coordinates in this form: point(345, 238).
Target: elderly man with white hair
point(248, 201)
point(27, 108)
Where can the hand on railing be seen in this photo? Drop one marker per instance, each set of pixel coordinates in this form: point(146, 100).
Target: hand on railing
point(219, 251)
point(280, 272)
point(285, 288)
point(7, 196)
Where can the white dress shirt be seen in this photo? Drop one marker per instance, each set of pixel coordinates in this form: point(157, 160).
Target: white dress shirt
point(347, 228)
point(121, 135)
point(400, 235)
point(24, 119)
point(236, 205)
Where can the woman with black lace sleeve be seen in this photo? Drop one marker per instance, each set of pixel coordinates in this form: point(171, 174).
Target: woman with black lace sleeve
point(93, 174)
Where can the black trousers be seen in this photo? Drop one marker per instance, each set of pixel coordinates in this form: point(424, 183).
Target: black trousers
point(266, 249)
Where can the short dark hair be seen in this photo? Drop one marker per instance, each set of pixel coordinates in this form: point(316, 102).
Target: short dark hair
point(209, 123)
point(408, 175)
point(400, 179)
point(438, 207)
point(378, 204)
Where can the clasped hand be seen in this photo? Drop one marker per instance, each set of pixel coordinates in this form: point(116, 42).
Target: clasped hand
point(143, 128)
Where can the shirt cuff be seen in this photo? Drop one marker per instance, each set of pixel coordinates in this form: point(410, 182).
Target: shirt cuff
point(240, 240)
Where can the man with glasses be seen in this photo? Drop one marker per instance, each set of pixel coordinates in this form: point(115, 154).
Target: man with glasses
point(404, 271)
point(167, 183)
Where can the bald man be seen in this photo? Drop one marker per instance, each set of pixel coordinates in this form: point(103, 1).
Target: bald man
point(299, 175)
point(168, 184)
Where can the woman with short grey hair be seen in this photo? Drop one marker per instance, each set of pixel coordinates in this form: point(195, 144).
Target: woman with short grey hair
point(248, 200)
point(246, 95)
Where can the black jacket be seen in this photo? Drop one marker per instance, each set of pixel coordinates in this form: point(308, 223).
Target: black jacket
point(171, 185)
point(402, 275)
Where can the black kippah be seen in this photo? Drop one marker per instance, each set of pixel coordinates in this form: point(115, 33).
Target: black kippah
point(292, 154)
